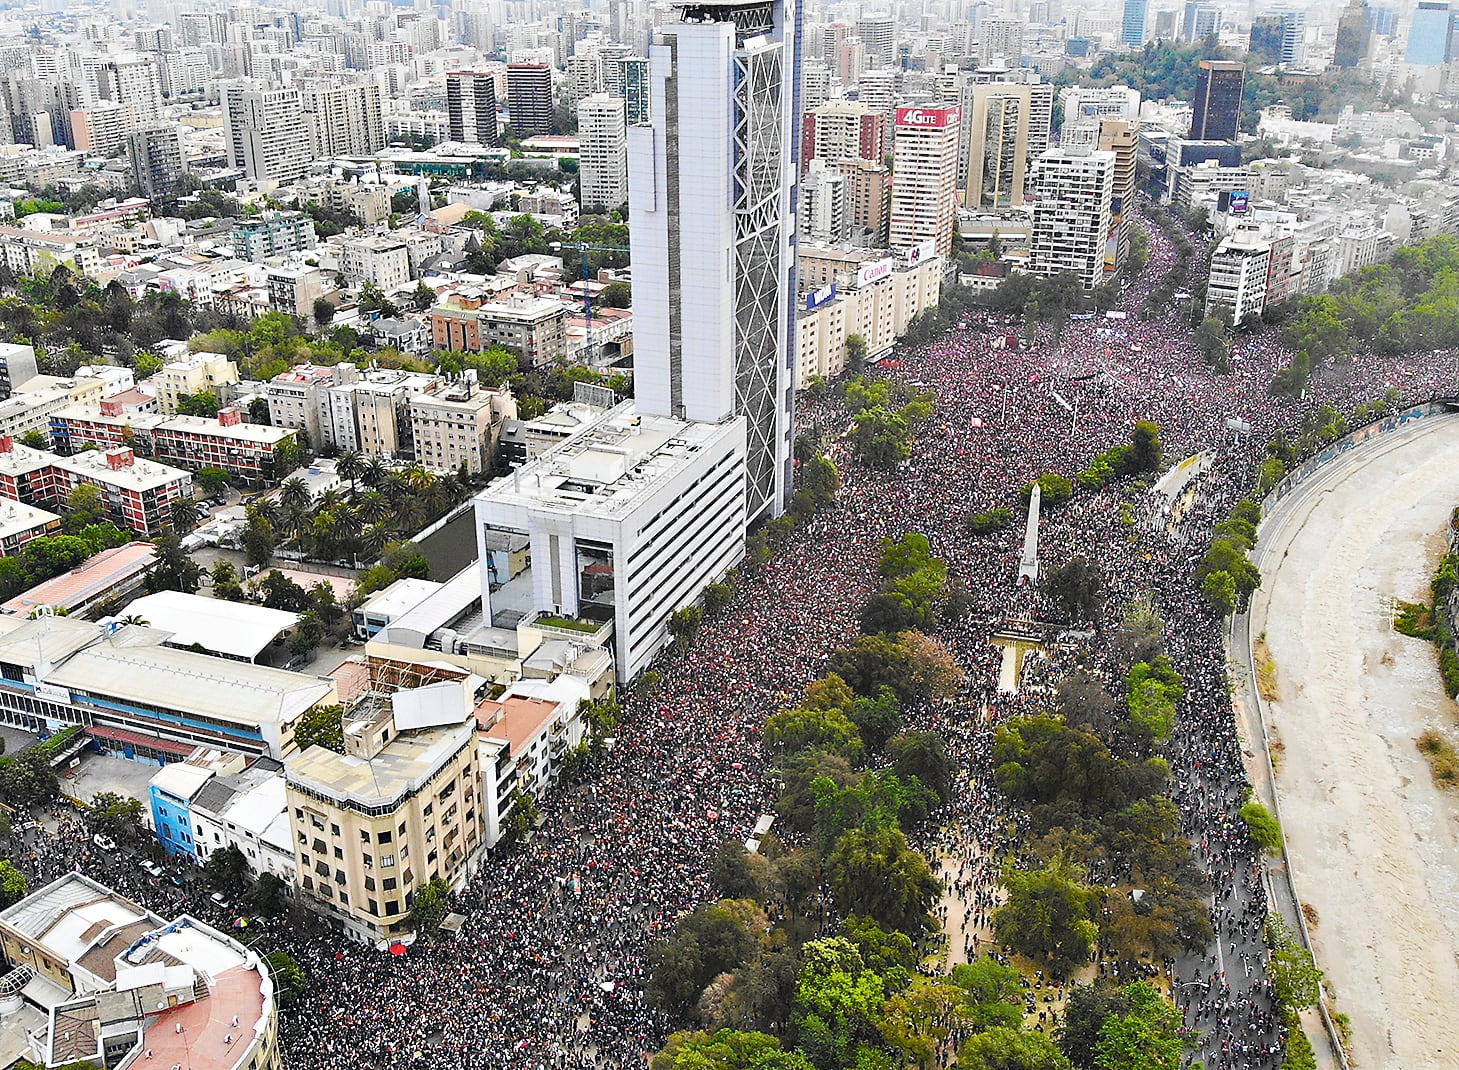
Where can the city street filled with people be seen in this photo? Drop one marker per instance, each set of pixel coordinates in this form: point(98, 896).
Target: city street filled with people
point(549, 968)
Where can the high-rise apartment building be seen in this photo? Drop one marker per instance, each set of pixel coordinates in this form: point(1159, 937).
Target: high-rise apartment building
point(842, 130)
point(1122, 138)
point(868, 198)
point(823, 211)
point(602, 152)
point(157, 163)
point(471, 107)
point(1132, 25)
point(343, 120)
point(266, 132)
point(878, 35)
point(631, 78)
point(529, 98)
point(1071, 217)
point(1354, 35)
point(924, 177)
point(1002, 41)
point(1216, 110)
point(132, 82)
point(711, 178)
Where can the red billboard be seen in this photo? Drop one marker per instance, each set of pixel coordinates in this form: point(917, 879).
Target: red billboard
point(927, 117)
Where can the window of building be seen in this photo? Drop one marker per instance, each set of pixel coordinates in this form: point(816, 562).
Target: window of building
point(390, 884)
point(392, 907)
point(387, 860)
point(385, 837)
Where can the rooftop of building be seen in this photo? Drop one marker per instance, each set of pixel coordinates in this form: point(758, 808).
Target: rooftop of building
point(131, 665)
point(235, 629)
point(404, 765)
point(16, 518)
point(71, 914)
point(97, 574)
point(257, 434)
point(610, 466)
point(181, 780)
point(121, 469)
point(515, 719)
point(402, 595)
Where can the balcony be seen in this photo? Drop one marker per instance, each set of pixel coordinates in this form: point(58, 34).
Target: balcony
point(572, 629)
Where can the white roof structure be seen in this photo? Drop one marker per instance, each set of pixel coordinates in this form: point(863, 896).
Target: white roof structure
point(233, 629)
point(181, 780)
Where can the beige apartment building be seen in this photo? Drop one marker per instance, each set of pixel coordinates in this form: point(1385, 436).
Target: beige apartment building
point(459, 425)
point(398, 809)
point(192, 375)
point(876, 302)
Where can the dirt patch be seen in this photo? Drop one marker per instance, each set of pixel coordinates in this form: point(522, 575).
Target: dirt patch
point(1266, 671)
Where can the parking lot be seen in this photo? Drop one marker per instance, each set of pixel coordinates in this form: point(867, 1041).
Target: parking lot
point(98, 773)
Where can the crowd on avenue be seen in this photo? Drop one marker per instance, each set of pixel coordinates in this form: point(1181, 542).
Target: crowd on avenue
point(549, 968)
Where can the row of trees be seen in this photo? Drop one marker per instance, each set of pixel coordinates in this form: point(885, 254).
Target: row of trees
point(1409, 304)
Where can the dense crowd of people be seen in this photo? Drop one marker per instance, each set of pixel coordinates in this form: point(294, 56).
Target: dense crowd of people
point(549, 968)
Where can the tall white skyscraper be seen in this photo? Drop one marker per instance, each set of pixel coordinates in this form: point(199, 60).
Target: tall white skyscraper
point(711, 178)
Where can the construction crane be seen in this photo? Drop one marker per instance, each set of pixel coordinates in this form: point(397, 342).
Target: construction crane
point(585, 248)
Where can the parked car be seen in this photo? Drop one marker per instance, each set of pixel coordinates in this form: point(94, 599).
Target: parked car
point(154, 869)
point(106, 843)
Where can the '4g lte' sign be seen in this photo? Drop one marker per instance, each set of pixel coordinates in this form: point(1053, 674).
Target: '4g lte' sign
point(935, 118)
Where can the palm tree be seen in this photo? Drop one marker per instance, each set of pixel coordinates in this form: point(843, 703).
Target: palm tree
point(373, 507)
point(266, 510)
point(374, 541)
point(329, 501)
point(185, 514)
point(350, 465)
point(294, 494)
point(137, 619)
point(374, 472)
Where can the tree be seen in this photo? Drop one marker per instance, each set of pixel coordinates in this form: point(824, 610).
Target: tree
point(185, 514)
point(1155, 690)
point(715, 939)
point(792, 731)
point(289, 978)
point(994, 992)
point(258, 539)
point(226, 871)
point(1219, 590)
point(428, 909)
point(855, 354)
point(1264, 829)
point(913, 666)
point(322, 726)
point(323, 311)
point(174, 569)
point(116, 816)
point(1296, 980)
point(738, 873)
point(839, 1002)
point(269, 896)
point(726, 1049)
point(917, 1022)
point(1147, 453)
point(212, 480)
point(308, 634)
point(877, 719)
point(1076, 588)
point(203, 403)
point(1010, 1048)
point(1210, 339)
point(13, 884)
point(616, 295)
point(876, 873)
point(1054, 490)
point(84, 505)
point(683, 623)
point(1146, 1038)
point(1049, 915)
point(923, 755)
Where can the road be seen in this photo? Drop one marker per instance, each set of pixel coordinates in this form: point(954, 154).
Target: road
point(1373, 844)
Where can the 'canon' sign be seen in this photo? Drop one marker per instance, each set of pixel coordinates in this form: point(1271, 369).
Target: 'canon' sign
point(933, 117)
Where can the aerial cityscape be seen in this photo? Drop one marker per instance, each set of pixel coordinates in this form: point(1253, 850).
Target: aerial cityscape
point(729, 535)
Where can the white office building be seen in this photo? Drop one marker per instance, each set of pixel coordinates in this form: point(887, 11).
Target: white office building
point(626, 523)
point(710, 182)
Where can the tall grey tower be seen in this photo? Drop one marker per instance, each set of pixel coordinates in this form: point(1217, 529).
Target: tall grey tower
point(711, 216)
